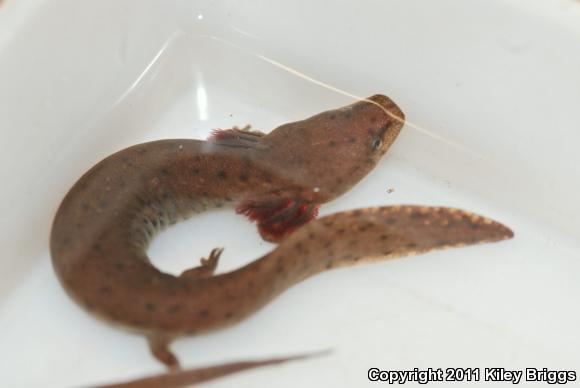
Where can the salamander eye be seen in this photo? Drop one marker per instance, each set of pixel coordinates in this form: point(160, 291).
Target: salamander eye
point(376, 144)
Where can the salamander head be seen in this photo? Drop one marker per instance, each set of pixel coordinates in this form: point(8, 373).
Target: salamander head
point(330, 152)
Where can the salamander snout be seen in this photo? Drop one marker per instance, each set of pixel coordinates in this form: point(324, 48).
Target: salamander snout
point(382, 121)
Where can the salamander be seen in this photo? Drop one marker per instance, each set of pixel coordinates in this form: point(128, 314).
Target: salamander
point(102, 229)
point(103, 226)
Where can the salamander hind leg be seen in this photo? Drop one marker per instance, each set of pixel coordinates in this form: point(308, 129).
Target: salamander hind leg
point(207, 267)
point(159, 346)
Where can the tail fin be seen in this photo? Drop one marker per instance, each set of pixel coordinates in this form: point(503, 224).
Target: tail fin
point(379, 233)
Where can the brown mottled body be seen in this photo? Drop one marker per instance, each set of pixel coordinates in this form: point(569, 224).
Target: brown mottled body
point(103, 226)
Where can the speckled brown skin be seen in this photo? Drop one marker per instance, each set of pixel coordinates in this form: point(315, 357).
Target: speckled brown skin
point(103, 226)
point(338, 240)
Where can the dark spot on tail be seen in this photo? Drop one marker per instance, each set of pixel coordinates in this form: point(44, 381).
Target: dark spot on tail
point(244, 177)
point(222, 174)
point(173, 309)
point(64, 241)
point(204, 313)
point(83, 186)
point(411, 245)
point(149, 306)
point(105, 289)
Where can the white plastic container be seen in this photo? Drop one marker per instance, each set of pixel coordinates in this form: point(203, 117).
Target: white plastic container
point(494, 85)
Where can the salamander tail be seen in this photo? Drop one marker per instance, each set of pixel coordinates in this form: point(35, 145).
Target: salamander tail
point(380, 233)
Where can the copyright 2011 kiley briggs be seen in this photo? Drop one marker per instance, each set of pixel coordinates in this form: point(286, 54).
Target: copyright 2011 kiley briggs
point(466, 375)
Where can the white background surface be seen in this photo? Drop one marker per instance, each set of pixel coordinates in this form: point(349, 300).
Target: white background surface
point(498, 80)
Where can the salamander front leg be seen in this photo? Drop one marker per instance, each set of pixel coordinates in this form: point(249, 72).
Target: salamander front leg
point(159, 346)
point(207, 267)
